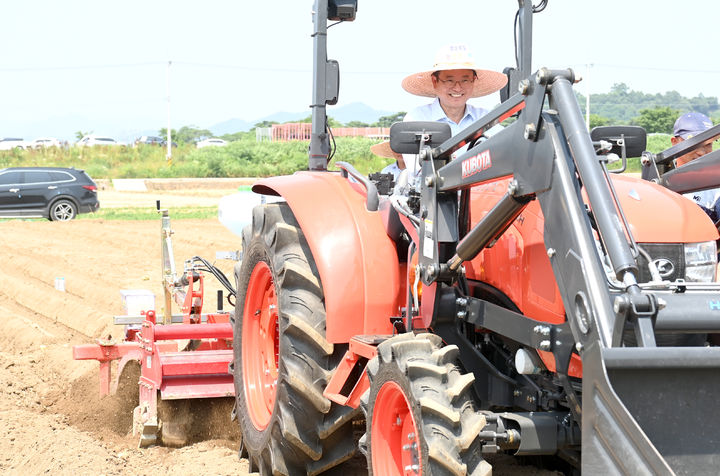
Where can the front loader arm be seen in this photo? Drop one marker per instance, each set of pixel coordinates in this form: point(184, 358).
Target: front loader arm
point(625, 399)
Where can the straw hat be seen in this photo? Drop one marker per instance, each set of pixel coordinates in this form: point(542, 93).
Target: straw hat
point(455, 56)
point(383, 150)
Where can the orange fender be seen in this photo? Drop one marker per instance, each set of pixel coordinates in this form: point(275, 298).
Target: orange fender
point(357, 261)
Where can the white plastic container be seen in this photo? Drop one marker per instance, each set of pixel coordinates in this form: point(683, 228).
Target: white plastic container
point(136, 301)
point(235, 211)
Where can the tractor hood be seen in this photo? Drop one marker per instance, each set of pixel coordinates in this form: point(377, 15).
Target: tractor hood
point(658, 215)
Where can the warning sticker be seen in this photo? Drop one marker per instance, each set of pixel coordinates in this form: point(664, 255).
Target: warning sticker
point(428, 244)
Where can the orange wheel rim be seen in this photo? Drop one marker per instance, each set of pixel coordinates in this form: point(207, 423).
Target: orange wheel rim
point(260, 344)
point(395, 444)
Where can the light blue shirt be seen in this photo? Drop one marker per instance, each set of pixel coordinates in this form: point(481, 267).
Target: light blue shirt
point(392, 169)
point(434, 112)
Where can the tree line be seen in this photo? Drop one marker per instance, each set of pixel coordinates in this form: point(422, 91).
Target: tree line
point(621, 106)
point(656, 113)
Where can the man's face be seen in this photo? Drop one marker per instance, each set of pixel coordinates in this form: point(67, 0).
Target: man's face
point(454, 87)
point(706, 148)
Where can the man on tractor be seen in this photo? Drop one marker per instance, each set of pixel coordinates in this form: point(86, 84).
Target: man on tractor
point(453, 79)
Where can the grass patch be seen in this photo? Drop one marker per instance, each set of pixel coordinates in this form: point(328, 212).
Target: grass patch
point(149, 213)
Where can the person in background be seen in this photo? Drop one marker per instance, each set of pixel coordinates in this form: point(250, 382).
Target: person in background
point(453, 79)
point(383, 150)
point(687, 126)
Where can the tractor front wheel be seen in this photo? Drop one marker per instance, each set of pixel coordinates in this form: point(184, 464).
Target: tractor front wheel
point(421, 419)
point(282, 361)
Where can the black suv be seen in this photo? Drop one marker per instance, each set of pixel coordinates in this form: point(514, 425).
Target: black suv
point(55, 193)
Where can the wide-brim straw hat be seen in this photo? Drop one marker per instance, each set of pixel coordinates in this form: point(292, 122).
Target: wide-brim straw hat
point(456, 56)
point(383, 150)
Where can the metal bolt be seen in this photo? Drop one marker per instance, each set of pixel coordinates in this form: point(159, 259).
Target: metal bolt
point(398, 422)
point(516, 393)
point(530, 399)
point(431, 271)
point(411, 436)
point(551, 252)
point(461, 301)
point(542, 330)
point(530, 131)
point(429, 181)
point(461, 314)
point(412, 467)
point(524, 87)
point(579, 347)
point(543, 75)
point(545, 345)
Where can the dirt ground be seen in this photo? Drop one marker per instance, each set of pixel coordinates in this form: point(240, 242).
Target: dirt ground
point(53, 419)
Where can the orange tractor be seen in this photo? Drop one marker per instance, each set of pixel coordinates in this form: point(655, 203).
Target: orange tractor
point(519, 299)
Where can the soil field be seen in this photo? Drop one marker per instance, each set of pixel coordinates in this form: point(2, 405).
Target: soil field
point(53, 419)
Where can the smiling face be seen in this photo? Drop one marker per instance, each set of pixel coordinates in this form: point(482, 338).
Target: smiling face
point(454, 87)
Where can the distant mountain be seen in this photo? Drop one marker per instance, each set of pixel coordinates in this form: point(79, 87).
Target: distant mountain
point(350, 112)
point(356, 111)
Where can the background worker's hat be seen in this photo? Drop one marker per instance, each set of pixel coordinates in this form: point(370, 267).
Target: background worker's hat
point(456, 56)
point(383, 150)
point(691, 124)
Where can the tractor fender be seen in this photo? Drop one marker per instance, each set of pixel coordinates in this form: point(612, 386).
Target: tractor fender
point(356, 260)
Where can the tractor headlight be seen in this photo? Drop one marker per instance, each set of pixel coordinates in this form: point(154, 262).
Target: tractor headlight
point(700, 261)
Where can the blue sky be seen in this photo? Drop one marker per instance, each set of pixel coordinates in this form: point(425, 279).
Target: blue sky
point(102, 66)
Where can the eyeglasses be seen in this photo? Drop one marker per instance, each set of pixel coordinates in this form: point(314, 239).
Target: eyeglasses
point(451, 82)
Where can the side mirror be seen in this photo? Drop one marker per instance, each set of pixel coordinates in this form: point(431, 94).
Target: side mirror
point(342, 10)
point(635, 139)
point(405, 137)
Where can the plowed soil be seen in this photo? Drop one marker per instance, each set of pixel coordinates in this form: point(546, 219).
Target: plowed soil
point(53, 419)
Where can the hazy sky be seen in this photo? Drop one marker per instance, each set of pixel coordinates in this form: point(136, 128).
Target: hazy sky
point(102, 66)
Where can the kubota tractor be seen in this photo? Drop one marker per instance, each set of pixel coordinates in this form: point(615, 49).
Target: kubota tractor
point(509, 301)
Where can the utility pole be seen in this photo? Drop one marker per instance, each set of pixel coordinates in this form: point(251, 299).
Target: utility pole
point(168, 155)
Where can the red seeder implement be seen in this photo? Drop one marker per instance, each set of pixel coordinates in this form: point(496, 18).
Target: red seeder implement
point(184, 357)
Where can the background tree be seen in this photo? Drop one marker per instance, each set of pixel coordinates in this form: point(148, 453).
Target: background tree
point(80, 134)
point(189, 134)
point(264, 124)
point(387, 121)
point(163, 133)
point(659, 119)
point(357, 124)
point(597, 120)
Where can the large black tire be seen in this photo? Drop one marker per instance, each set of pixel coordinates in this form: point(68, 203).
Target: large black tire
point(291, 429)
point(420, 414)
point(62, 210)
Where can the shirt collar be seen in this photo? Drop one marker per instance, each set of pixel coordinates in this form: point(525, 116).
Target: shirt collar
point(439, 115)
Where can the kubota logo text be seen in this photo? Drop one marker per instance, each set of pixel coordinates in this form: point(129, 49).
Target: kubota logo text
point(476, 163)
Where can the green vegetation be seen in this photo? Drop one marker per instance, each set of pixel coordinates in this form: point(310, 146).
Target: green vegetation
point(654, 112)
point(149, 213)
point(243, 158)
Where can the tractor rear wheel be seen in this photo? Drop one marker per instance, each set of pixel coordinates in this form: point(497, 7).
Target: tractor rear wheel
point(421, 418)
point(282, 361)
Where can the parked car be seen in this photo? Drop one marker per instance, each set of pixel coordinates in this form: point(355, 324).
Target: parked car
point(164, 143)
point(149, 140)
point(212, 142)
point(10, 143)
point(55, 193)
point(42, 142)
point(92, 140)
